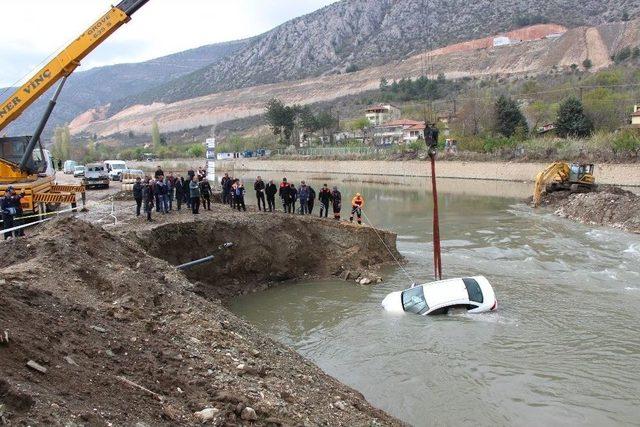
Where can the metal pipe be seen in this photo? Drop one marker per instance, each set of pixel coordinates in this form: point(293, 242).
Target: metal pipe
point(43, 122)
point(131, 6)
point(195, 263)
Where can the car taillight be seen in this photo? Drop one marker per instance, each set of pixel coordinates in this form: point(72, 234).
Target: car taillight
point(494, 306)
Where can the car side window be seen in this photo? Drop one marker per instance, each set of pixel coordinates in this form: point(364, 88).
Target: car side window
point(473, 288)
point(413, 300)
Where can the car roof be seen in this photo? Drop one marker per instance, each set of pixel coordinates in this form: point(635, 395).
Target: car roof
point(445, 292)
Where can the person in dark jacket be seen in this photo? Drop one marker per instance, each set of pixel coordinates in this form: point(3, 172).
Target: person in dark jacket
point(147, 198)
point(159, 173)
point(336, 197)
point(228, 188)
point(240, 192)
point(179, 184)
point(283, 192)
point(312, 200)
point(170, 182)
point(194, 192)
point(137, 195)
point(10, 205)
point(259, 188)
point(162, 204)
point(325, 199)
point(293, 198)
point(303, 197)
point(205, 192)
point(271, 190)
point(187, 191)
point(225, 189)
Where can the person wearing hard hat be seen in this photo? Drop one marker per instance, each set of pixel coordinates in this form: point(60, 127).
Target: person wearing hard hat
point(357, 203)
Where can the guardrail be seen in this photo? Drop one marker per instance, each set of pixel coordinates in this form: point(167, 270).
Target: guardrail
point(330, 151)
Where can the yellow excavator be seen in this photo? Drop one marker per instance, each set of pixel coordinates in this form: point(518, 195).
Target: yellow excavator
point(561, 176)
point(31, 171)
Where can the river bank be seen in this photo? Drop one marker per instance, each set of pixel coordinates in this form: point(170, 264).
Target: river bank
point(117, 336)
point(613, 174)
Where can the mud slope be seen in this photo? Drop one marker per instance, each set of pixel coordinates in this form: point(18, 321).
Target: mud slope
point(103, 317)
point(267, 249)
point(609, 206)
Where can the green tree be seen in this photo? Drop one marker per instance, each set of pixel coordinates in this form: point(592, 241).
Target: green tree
point(587, 64)
point(508, 117)
point(384, 84)
point(281, 118)
point(326, 122)
point(62, 143)
point(308, 120)
point(156, 139)
point(196, 151)
point(541, 113)
point(572, 121)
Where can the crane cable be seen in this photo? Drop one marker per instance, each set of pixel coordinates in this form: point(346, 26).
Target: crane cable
point(375, 229)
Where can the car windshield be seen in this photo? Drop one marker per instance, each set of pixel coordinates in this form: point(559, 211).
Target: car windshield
point(413, 301)
point(79, 168)
point(96, 169)
point(117, 167)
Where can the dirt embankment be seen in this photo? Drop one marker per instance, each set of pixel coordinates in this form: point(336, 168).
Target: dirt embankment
point(125, 340)
point(609, 206)
point(267, 248)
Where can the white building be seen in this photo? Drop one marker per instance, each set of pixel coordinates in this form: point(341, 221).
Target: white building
point(398, 132)
point(501, 41)
point(379, 114)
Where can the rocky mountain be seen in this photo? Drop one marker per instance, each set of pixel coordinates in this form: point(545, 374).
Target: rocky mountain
point(538, 51)
point(100, 86)
point(353, 34)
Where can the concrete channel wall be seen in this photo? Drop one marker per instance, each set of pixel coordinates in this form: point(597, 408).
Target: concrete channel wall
point(619, 174)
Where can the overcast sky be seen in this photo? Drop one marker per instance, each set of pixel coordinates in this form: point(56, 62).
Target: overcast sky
point(159, 28)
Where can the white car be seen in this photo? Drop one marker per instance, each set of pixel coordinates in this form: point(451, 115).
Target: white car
point(78, 171)
point(472, 293)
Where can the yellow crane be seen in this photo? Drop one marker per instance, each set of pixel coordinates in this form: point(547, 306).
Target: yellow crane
point(21, 166)
point(561, 176)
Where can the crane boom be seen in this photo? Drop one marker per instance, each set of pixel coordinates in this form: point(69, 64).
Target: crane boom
point(67, 61)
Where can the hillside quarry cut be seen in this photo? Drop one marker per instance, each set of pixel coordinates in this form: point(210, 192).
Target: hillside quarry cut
point(101, 331)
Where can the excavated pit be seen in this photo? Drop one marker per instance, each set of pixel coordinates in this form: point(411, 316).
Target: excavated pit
point(124, 339)
point(267, 249)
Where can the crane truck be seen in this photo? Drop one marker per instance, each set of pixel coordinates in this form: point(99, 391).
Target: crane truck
point(24, 164)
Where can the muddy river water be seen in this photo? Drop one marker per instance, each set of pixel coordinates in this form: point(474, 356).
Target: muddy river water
point(563, 348)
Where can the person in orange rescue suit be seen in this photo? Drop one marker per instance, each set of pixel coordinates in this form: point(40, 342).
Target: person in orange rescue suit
point(357, 203)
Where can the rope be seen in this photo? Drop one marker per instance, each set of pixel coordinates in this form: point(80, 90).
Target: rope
point(406, 273)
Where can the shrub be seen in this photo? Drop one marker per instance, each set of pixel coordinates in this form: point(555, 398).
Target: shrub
point(626, 140)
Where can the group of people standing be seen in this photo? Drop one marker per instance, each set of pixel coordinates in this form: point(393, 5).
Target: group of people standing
point(295, 200)
point(161, 191)
point(194, 190)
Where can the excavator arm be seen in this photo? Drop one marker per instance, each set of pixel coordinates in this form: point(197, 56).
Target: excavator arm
point(558, 171)
point(67, 61)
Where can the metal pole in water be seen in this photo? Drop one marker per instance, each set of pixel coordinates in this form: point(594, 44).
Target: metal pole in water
point(437, 260)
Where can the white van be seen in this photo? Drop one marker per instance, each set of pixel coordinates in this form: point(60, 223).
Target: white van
point(115, 168)
point(69, 166)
